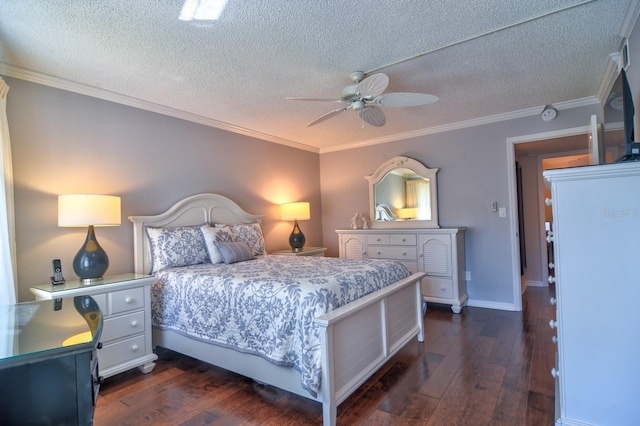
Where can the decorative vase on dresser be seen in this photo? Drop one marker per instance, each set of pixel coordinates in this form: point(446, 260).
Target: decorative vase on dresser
point(403, 206)
point(596, 237)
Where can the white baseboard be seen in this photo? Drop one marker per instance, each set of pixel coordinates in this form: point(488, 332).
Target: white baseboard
point(491, 305)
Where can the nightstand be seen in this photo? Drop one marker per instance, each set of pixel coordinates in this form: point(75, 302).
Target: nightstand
point(125, 302)
point(306, 251)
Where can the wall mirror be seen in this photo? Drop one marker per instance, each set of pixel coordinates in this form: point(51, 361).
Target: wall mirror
point(403, 193)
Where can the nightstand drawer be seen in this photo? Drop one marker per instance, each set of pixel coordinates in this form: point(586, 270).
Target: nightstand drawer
point(126, 300)
point(122, 326)
point(122, 351)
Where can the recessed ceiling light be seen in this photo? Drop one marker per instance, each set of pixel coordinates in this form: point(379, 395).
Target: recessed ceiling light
point(202, 10)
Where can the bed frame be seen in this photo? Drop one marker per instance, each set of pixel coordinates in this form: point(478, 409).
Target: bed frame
point(352, 347)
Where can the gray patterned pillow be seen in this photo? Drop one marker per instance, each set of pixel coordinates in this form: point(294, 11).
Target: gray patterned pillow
point(211, 235)
point(182, 246)
point(233, 252)
point(250, 233)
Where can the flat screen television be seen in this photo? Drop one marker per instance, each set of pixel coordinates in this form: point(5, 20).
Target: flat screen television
point(619, 109)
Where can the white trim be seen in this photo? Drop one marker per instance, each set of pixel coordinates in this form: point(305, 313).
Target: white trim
point(513, 199)
point(492, 305)
point(59, 83)
point(464, 124)
point(536, 284)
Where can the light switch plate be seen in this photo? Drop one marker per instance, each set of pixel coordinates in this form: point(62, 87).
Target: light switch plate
point(502, 212)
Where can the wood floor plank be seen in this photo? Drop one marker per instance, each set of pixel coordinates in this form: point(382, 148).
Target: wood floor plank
point(480, 367)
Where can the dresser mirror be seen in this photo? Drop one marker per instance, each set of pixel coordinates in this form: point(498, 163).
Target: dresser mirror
point(403, 193)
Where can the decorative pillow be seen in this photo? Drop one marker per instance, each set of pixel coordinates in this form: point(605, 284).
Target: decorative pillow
point(233, 252)
point(250, 233)
point(223, 234)
point(182, 246)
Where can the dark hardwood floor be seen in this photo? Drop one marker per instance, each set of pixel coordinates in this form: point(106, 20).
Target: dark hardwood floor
point(482, 367)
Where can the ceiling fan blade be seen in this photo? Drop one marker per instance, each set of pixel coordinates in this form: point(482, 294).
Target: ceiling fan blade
point(328, 115)
point(405, 99)
point(373, 85)
point(373, 115)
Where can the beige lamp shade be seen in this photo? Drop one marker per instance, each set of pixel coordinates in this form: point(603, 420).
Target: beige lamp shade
point(79, 210)
point(295, 211)
point(407, 213)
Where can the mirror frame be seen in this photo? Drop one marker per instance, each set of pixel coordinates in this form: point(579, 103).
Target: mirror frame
point(421, 170)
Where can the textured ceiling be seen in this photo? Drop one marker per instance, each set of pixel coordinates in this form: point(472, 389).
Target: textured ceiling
point(481, 58)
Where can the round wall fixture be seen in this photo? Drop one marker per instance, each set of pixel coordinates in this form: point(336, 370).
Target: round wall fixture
point(549, 113)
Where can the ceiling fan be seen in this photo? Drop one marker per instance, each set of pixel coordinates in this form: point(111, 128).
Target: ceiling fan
point(366, 94)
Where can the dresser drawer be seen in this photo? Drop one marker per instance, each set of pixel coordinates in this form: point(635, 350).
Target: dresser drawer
point(437, 287)
point(126, 300)
point(403, 240)
point(394, 253)
point(122, 351)
point(122, 326)
point(378, 239)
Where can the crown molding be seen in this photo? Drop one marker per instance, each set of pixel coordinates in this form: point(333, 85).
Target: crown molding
point(464, 124)
point(82, 89)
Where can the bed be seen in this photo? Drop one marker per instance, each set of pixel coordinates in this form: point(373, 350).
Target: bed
point(381, 322)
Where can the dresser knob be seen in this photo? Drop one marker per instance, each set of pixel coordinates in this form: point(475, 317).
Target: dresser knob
point(134, 348)
point(555, 373)
point(404, 253)
point(549, 238)
point(128, 300)
point(99, 346)
point(552, 301)
point(379, 252)
point(378, 239)
point(548, 201)
point(134, 324)
point(404, 239)
point(551, 279)
point(552, 265)
point(554, 339)
point(553, 323)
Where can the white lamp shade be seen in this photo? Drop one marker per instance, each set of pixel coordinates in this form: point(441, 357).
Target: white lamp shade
point(295, 211)
point(77, 210)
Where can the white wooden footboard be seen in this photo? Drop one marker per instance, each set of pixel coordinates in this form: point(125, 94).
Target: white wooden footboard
point(353, 347)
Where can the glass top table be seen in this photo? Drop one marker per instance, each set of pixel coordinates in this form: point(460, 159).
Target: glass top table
point(47, 327)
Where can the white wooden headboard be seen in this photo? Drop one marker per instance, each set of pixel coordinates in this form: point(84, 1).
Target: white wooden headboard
point(194, 210)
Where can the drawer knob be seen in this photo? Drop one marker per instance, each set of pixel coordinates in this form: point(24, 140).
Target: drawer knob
point(552, 300)
point(134, 323)
point(549, 237)
point(548, 201)
point(378, 239)
point(551, 279)
point(404, 239)
point(134, 348)
point(379, 252)
point(554, 339)
point(99, 345)
point(128, 300)
point(552, 265)
point(555, 373)
point(404, 253)
point(553, 323)
point(442, 288)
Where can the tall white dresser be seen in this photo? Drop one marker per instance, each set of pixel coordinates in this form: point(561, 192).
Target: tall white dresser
point(437, 251)
point(596, 236)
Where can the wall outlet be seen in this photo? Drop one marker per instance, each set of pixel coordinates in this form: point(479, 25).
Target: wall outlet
point(467, 275)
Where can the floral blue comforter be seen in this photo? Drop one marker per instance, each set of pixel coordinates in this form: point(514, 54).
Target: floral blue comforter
point(266, 306)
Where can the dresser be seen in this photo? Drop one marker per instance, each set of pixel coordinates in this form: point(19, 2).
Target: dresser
point(596, 242)
point(439, 252)
point(48, 364)
point(125, 302)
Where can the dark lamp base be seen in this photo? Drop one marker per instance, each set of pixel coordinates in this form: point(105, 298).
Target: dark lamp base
point(91, 261)
point(296, 239)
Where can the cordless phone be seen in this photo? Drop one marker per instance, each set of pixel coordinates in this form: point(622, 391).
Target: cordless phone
point(57, 277)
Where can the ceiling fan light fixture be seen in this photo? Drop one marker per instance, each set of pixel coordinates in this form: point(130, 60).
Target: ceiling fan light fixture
point(357, 105)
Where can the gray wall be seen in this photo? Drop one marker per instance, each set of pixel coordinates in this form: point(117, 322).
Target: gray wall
point(473, 173)
point(68, 143)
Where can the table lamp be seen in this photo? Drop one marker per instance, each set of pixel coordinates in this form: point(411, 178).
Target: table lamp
point(296, 212)
point(80, 210)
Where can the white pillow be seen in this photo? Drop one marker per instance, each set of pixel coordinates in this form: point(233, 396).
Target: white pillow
point(182, 246)
point(211, 235)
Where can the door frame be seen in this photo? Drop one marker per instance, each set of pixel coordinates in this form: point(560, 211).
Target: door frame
point(513, 198)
